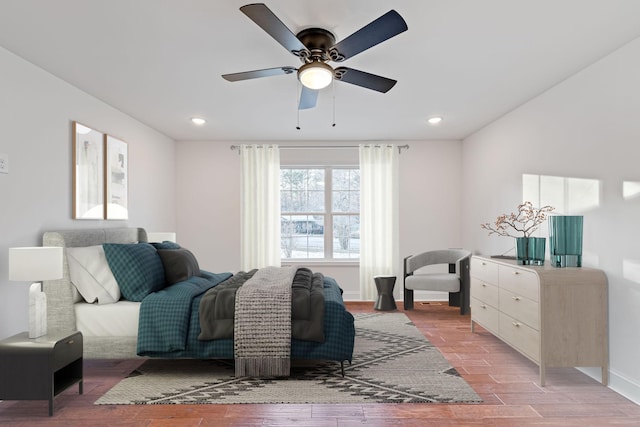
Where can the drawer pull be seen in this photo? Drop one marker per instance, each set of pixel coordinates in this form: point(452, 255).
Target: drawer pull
point(516, 324)
point(516, 272)
point(516, 298)
point(484, 263)
point(70, 342)
point(484, 285)
point(484, 306)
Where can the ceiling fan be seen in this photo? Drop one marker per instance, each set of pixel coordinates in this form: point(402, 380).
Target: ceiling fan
point(315, 47)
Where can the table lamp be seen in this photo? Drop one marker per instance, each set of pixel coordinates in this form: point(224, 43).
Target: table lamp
point(36, 264)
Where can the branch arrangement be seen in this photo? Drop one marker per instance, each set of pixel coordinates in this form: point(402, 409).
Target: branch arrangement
point(526, 220)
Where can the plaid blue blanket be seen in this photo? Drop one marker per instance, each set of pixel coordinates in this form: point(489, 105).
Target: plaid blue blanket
point(165, 315)
point(169, 325)
point(339, 331)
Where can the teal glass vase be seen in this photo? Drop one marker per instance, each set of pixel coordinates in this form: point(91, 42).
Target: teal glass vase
point(565, 240)
point(530, 250)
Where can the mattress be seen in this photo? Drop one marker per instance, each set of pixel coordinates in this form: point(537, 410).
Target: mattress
point(123, 319)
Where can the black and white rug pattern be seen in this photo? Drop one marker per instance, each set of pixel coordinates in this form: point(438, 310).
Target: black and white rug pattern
point(392, 363)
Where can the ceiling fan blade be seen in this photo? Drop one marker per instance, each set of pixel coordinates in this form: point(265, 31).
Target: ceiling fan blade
point(308, 98)
point(268, 21)
point(363, 79)
point(267, 72)
point(388, 25)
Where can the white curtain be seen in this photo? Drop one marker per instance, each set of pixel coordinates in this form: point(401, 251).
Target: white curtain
point(260, 210)
point(378, 215)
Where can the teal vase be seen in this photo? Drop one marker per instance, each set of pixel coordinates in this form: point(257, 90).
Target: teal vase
point(530, 250)
point(565, 240)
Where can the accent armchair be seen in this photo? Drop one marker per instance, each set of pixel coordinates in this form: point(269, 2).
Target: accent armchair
point(455, 281)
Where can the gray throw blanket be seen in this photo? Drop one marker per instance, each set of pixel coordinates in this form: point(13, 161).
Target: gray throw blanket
point(307, 306)
point(262, 324)
point(217, 307)
point(217, 310)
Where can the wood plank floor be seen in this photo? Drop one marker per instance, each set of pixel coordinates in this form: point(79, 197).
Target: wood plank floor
point(506, 381)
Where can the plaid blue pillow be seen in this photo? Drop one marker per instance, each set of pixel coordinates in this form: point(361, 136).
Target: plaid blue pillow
point(137, 268)
point(166, 245)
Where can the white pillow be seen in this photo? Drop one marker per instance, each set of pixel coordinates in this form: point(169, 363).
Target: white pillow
point(90, 274)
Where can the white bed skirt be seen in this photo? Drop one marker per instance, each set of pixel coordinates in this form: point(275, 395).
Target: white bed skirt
point(123, 319)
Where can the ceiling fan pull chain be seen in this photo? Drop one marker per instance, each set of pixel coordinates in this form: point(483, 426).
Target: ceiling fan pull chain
point(333, 84)
point(298, 91)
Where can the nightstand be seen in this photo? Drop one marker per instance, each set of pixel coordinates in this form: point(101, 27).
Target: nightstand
point(40, 368)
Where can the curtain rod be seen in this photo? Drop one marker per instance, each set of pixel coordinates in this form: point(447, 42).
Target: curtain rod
point(295, 147)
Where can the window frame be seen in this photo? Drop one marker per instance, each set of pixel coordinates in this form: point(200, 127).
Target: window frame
point(328, 214)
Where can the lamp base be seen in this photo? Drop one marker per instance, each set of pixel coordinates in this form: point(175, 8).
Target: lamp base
point(37, 311)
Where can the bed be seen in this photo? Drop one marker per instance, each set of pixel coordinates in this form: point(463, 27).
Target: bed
point(112, 330)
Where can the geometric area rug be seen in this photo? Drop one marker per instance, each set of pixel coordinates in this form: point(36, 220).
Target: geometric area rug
point(392, 363)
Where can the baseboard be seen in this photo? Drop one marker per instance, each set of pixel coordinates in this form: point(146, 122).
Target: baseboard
point(617, 382)
point(420, 296)
point(351, 296)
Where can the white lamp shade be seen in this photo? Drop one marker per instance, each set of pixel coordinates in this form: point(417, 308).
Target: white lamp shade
point(35, 263)
point(315, 75)
point(161, 236)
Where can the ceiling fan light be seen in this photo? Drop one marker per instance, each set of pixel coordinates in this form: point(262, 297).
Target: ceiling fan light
point(315, 75)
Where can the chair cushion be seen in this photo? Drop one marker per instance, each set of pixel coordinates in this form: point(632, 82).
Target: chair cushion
point(444, 282)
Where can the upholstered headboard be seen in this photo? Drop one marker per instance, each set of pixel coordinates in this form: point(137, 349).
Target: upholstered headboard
point(60, 312)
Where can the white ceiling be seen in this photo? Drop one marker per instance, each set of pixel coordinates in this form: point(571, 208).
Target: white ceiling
point(160, 61)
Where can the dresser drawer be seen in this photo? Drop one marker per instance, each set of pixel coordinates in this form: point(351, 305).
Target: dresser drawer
point(521, 308)
point(485, 292)
point(484, 270)
point(520, 282)
point(485, 315)
point(520, 336)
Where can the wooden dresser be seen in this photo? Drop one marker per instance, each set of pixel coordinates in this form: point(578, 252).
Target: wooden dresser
point(554, 316)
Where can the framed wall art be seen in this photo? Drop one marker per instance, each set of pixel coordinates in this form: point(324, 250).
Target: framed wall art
point(88, 172)
point(116, 178)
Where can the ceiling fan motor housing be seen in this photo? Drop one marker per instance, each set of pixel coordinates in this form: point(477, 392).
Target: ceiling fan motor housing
point(318, 41)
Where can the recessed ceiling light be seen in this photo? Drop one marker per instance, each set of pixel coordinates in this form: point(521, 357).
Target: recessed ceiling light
point(434, 120)
point(198, 121)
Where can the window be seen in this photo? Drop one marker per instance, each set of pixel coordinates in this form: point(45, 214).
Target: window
point(320, 213)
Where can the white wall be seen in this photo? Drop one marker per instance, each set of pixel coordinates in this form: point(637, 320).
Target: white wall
point(208, 200)
point(208, 180)
point(36, 111)
point(585, 127)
